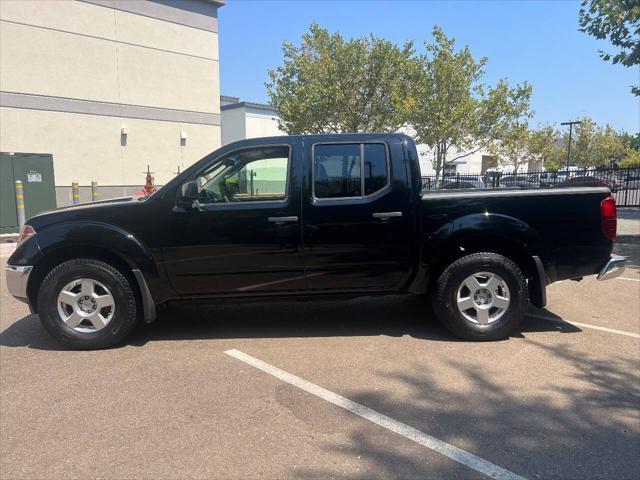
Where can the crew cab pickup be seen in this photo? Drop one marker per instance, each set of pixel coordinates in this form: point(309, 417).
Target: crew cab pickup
point(330, 215)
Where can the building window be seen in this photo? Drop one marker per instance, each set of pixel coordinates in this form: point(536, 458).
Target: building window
point(252, 175)
point(450, 169)
point(349, 170)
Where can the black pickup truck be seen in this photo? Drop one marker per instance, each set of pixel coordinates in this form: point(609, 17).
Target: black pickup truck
point(338, 215)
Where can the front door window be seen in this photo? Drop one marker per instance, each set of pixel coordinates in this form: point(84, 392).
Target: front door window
point(253, 175)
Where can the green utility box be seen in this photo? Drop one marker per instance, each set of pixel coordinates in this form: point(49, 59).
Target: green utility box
point(35, 170)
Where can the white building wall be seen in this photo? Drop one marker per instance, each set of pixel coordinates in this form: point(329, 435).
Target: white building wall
point(261, 125)
point(469, 164)
point(233, 125)
point(241, 120)
point(74, 73)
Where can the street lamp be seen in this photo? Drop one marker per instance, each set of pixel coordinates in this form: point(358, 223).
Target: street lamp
point(571, 124)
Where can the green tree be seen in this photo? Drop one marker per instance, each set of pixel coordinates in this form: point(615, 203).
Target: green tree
point(609, 146)
point(453, 111)
point(593, 145)
point(619, 22)
point(329, 84)
point(583, 153)
point(546, 147)
point(513, 147)
point(633, 141)
point(520, 146)
point(631, 159)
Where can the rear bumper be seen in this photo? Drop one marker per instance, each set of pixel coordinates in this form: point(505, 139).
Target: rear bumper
point(613, 268)
point(17, 279)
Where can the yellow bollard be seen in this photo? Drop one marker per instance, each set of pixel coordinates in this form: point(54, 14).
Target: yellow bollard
point(75, 192)
point(20, 203)
point(94, 191)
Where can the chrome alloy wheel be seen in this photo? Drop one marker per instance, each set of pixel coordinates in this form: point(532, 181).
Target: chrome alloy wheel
point(86, 305)
point(483, 298)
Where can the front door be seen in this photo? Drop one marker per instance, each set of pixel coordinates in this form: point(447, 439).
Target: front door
point(243, 235)
point(357, 229)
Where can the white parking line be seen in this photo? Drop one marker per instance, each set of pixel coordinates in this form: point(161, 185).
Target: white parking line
point(585, 325)
point(630, 279)
point(461, 456)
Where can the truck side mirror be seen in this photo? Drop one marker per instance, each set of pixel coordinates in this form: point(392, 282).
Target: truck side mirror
point(189, 192)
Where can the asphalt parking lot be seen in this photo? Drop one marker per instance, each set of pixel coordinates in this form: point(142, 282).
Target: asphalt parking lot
point(561, 399)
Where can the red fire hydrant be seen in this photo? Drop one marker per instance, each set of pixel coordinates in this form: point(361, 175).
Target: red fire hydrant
point(148, 188)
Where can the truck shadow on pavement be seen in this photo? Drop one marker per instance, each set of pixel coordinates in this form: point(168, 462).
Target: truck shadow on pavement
point(628, 246)
point(579, 423)
point(628, 240)
point(393, 316)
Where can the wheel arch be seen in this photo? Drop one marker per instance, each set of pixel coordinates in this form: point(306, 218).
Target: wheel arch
point(503, 235)
point(106, 243)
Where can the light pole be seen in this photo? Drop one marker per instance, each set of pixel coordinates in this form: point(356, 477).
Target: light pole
point(571, 124)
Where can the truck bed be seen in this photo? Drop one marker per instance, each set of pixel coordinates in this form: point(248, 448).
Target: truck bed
point(561, 226)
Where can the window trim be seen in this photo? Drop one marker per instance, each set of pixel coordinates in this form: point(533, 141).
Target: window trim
point(253, 202)
point(358, 197)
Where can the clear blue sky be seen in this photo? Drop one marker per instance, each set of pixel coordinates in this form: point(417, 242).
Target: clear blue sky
point(537, 41)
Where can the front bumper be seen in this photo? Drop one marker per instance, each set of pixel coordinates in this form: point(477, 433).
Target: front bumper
point(17, 279)
point(613, 268)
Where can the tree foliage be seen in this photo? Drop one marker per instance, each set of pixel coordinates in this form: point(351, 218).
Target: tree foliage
point(632, 160)
point(593, 145)
point(547, 149)
point(329, 84)
point(619, 22)
point(453, 110)
point(520, 146)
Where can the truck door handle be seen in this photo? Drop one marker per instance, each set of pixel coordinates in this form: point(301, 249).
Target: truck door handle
point(281, 220)
point(387, 215)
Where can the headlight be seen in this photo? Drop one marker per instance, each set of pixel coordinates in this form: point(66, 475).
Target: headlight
point(26, 232)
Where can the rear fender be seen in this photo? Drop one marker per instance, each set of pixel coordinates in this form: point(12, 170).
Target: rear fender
point(489, 232)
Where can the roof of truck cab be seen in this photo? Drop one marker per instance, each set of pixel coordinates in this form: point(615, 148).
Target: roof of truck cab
point(337, 137)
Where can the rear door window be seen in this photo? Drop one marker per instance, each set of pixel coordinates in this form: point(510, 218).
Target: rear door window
point(349, 170)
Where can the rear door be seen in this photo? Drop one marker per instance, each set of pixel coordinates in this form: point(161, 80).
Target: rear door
point(356, 224)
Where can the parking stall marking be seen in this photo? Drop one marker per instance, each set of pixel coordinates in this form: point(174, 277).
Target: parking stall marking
point(630, 279)
point(457, 454)
point(585, 325)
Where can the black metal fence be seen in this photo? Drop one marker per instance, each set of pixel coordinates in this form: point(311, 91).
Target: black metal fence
point(623, 182)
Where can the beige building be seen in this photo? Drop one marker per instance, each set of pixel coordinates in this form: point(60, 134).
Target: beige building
point(108, 87)
point(242, 120)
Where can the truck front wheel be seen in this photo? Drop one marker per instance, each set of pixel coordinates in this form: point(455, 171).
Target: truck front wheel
point(87, 304)
point(481, 297)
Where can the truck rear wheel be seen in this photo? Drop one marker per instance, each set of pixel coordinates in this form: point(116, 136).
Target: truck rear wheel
point(481, 297)
point(87, 304)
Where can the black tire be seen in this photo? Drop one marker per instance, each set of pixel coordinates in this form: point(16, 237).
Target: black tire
point(124, 314)
point(444, 296)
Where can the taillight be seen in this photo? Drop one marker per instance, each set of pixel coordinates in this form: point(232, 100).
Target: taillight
point(25, 233)
point(609, 215)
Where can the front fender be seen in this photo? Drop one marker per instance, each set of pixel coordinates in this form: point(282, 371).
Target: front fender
point(98, 235)
point(66, 240)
